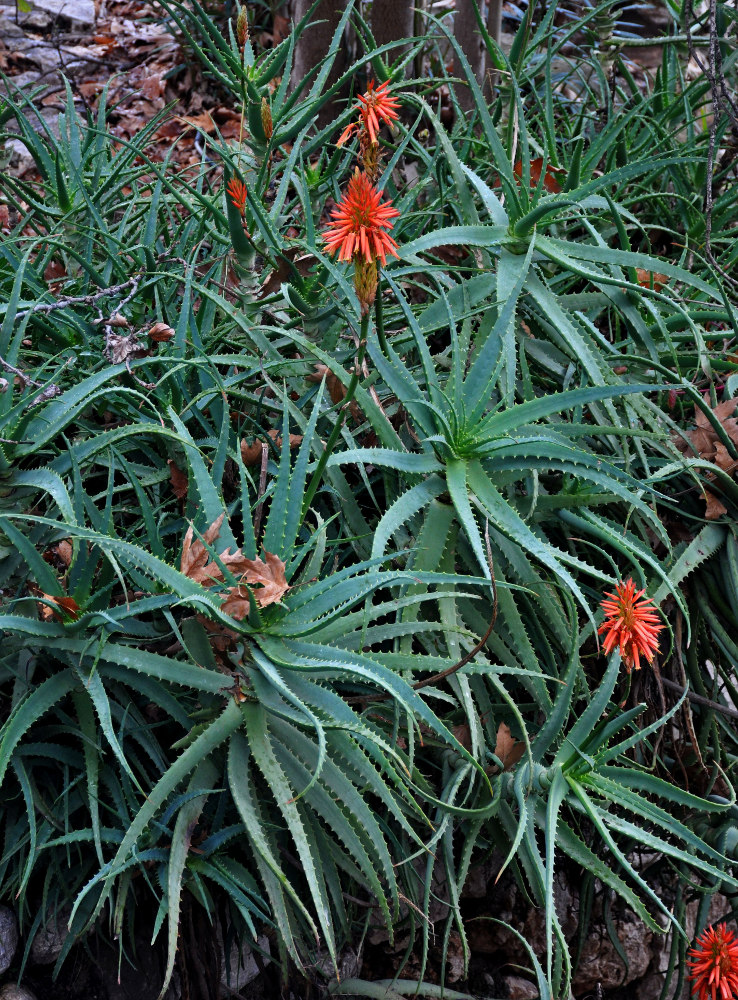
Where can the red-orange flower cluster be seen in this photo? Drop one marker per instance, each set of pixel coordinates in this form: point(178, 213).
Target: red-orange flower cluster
point(360, 224)
point(237, 193)
point(713, 965)
point(374, 106)
point(631, 624)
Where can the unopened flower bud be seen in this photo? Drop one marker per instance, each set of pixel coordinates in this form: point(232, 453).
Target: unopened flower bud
point(242, 28)
point(366, 278)
point(266, 119)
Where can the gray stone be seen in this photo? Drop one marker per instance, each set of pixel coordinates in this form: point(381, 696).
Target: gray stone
point(49, 939)
point(12, 992)
point(78, 13)
point(520, 989)
point(8, 937)
point(9, 29)
point(241, 967)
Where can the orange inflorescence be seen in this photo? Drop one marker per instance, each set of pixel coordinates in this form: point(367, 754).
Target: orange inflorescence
point(237, 193)
point(631, 624)
point(374, 106)
point(713, 965)
point(360, 224)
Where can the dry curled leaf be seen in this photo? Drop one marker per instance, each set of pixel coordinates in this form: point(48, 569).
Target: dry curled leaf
point(195, 556)
point(336, 388)
point(714, 508)
point(179, 480)
point(160, 332)
point(290, 259)
point(270, 578)
point(67, 608)
point(251, 453)
point(266, 578)
point(705, 441)
point(120, 349)
point(550, 182)
point(59, 555)
point(507, 748)
point(646, 277)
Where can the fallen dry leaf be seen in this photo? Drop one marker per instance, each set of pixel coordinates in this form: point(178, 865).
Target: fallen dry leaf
point(120, 349)
point(266, 578)
point(68, 608)
point(160, 332)
point(507, 748)
point(706, 443)
point(195, 556)
point(289, 259)
point(714, 508)
point(251, 453)
point(237, 603)
point(270, 576)
point(336, 388)
point(179, 480)
point(550, 182)
point(645, 277)
point(64, 551)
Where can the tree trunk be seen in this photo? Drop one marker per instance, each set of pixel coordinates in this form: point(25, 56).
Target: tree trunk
point(466, 31)
point(312, 45)
point(392, 20)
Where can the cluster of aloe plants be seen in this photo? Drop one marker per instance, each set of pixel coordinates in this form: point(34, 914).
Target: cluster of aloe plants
point(509, 453)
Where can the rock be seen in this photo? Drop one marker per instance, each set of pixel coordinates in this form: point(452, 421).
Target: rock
point(9, 29)
point(49, 939)
point(600, 964)
point(241, 967)
point(12, 992)
point(520, 989)
point(651, 986)
point(8, 937)
point(79, 14)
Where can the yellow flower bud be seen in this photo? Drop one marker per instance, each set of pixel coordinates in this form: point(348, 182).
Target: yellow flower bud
point(266, 119)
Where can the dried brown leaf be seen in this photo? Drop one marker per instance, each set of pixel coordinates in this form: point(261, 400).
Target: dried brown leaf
point(160, 332)
point(237, 603)
point(179, 480)
point(645, 277)
point(195, 556)
point(265, 577)
point(270, 575)
point(714, 508)
point(550, 182)
point(705, 440)
point(290, 259)
point(251, 453)
point(67, 608)
point(64, 551)
point(507, 748)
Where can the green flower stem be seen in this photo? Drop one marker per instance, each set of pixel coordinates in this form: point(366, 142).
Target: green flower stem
point(333, 437)
point(379, 317)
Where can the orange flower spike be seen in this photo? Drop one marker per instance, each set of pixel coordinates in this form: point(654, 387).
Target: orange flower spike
point(374, 105)
point(360, 224)
point(377, 104)
point(713, 964)
point(631, 624)
point(237, 193)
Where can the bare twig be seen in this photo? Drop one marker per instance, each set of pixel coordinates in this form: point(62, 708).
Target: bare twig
point(464, 659)
point(472, 652)
point(83, 300)
point(697, 699)
point(259, 512)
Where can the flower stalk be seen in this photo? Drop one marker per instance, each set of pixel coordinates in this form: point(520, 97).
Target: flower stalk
point(345, 406)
